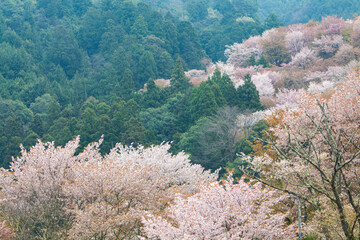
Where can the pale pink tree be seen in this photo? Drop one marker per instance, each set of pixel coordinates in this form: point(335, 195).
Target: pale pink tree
point(253, 42)
point(294, 41)
point(328, 45)
point(333, 25)
point(225, 68)
point(275, 76)
point(239, 74)
point(240, 54)
point(32, 193)
point(110, 194)
point(222, 211)
point(318, 157)
point(355, 34)
point(288, 98)
point(304, 59)
point(177, 169)
point(51, 192)
point(321, 87)
point(263, 84)
point(108, 198)
point(333, 73)
point(312, 30)
point(346, 54)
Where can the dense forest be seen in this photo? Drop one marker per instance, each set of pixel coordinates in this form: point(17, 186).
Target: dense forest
point(179, 119)
point(293, 11)
point(218, 22)
point(75, 68)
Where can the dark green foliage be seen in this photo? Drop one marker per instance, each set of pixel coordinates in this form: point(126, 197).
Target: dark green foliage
point(234, 167)
point(197, 10)
point(226, 87)
point(71, 67)
point(37, 125)
point(243, 146)
point(126, 85)
point(257, 133)
point(211, 141)
point(179, 82)
point(165, 64)
point(146, 68)
point(63, 50)
point(252, 60)
point(272, 21)
point(140, 28)
point(161, 121)
point(189, 45)
point(295, 11)
point(202, 102)
point(154, 96)
point(248, 96)
point(135, 132)
point(262, 61)
point(218, 22)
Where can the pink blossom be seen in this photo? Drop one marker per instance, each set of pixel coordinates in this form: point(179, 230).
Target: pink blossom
point(239, 54)
point(304, 59)
point(327, 46)
point(228, 211)
point(333, 25)
point(294, 41)
point(263, 84)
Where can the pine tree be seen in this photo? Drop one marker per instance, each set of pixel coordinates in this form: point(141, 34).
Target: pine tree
point(190, 47)
point(37, 125)
point(202, 102)
point(179, 82)
point(226, 87)
point(272, 21)
point(219, 97)
point(126, 85)
point(140, 27)
point(135, 132)
point(147, 68)
point(165, 65)
point(153, 97)
point(248, 95)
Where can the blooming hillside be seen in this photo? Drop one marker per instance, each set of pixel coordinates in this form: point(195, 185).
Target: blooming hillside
point(313, 56)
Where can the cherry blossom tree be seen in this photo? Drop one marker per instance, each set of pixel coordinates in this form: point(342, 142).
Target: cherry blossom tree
point(333, 73)
point(321, 87)
point(327, 45)
point(275, 77)
point(333, 25)
point(355, 34)
point(304, 59)
point(51, 192)
point(263, 84)
point(222, 211)
point(176, 168)
point(346, 54)
point(239, 73)
point(239, 54)
point(294, 41)
point(253, 42)
point(312, 30)
point(288, 98)
point(109, 198)
point(318, 151)
point(32, 194)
